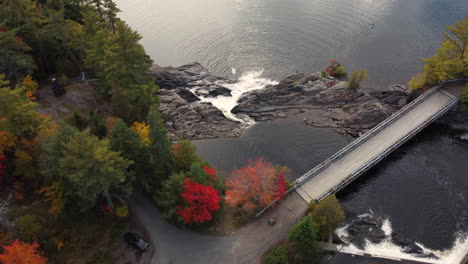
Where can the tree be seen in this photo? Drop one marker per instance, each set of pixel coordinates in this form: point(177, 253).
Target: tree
point(22, 253)
point(127, 141)
point(328, 215)
point(357, 77)
point(185, 154)
point(91, 170)
point(458, 37)
point(450, 61)
point(15, 61)
point(161, 148)
point(29, 227)
point(52, 149)
point(143, 131)
point(17, 112)
point(277, 255)
point(253, 186)
point(303, 238)
point(199, 202)
point(168, 197)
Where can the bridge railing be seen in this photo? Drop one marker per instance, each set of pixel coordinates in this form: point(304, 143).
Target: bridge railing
point(301, 180)
point(387, 151)
point(372, 132)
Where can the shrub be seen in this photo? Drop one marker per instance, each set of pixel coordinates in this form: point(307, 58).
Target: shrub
point(340, 72)
point(327, 214)
point(28, 227)
point(121, 211)
point(325, 74)
point(356, 78)
point(278, 255)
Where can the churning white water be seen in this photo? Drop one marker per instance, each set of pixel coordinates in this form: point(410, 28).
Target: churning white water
point(249, 81)
point(387, 249)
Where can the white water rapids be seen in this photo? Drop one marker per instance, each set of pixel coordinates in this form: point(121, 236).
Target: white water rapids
point(387, 249)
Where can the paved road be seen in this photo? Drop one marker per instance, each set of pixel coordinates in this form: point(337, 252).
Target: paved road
point(373, 147)
point(247, 245)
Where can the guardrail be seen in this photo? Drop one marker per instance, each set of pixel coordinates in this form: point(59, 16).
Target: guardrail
point(301, 180)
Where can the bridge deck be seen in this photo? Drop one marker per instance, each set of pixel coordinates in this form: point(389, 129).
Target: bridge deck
point(374, 146)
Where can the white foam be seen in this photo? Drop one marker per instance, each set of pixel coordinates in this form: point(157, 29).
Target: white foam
point(248, 81)
point(387, 249)
point(387, 227)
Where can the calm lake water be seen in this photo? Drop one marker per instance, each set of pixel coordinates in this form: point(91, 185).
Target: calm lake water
point(284, 36)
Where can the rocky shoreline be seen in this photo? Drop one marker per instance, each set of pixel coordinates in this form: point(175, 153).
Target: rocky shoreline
point(326, 102)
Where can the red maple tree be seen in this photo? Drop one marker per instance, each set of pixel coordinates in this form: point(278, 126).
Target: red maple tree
point(211, 172)
point(281, 186)
point(200, 202)
point(22, 253)
point(255, 185)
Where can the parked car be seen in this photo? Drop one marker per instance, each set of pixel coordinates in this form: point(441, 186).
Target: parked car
point(136, 241)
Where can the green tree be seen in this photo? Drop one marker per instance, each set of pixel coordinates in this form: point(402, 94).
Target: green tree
point(126, 141)
point(29, 227)
point(91, 170)
point(52, 149)
point(357, 77)
point(185, 154)
point(161, 149)
point(15, 61)
point(328, 215)
point(278, 255)
point(17, 112)
point(303, 238)
point(168, 197)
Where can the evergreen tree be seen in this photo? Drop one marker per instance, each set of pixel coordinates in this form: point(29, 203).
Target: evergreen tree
point(303, 237)
point(185, 154)
point(15, 61)
point(168, 197)
point(91, 170)
point(52, 149)
point(161, 149)
point(126, 141)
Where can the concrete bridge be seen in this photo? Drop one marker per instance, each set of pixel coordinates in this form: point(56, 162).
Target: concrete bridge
point(352, 161)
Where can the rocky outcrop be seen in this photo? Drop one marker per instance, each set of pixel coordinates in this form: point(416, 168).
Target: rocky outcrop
point(368, 228)
point(186, 115)
point(327, 102)
point(195, 120)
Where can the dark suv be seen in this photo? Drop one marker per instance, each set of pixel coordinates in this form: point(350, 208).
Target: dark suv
point(136, 241)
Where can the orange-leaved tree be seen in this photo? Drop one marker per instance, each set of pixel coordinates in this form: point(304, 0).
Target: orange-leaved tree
point(22, 253)
point(255, 185)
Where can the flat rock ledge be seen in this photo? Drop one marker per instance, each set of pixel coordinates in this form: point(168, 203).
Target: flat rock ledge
point(325, 102)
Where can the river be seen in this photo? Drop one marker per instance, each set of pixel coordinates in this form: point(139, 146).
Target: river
point(421, 188)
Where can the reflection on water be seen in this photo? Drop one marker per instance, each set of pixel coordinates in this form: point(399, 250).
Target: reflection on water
point(283, 36)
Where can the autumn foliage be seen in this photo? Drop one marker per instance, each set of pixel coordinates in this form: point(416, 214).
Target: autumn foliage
point(200, 202)
point(22, 253)
point(256, 185)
